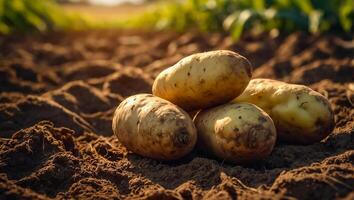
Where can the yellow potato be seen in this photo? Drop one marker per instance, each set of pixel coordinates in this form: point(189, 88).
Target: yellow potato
point(204, 80)
point(153, 127)
point(236, 132)
point(300, 114)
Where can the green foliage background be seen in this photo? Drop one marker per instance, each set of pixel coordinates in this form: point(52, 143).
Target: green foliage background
point(231, 16)
point(234, 16)
point(35, 15)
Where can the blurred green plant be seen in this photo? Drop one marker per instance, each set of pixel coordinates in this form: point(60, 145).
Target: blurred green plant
point(231, 16)
point(235, 16)
point(35, 15)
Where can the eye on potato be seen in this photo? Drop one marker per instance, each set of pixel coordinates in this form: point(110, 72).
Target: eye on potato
point(204, 80)
point(153, 127)
point(301, 115)
point(236, 132)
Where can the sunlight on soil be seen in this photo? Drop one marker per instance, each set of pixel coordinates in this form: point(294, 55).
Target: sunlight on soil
point(114, 2)
point(107, 12)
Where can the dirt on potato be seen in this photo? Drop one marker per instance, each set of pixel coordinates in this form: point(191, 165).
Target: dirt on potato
point(58, 93)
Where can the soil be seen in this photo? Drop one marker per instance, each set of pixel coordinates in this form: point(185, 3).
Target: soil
point(59, 91)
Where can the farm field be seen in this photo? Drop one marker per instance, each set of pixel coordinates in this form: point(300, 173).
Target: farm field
point(58, 92)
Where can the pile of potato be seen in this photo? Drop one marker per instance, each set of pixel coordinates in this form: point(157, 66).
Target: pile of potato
point(234, 118)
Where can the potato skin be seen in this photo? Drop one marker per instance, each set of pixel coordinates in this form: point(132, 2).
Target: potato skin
point(204, 80)
point(301, 115)
point(236, 132)
point(153, 127)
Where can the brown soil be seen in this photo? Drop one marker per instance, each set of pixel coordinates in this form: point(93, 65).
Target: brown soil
point(59, 91)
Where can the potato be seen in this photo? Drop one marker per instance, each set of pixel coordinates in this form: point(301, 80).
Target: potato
point(153, 127)
point(300, 114)
point(236, 132)
point(204, 80)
